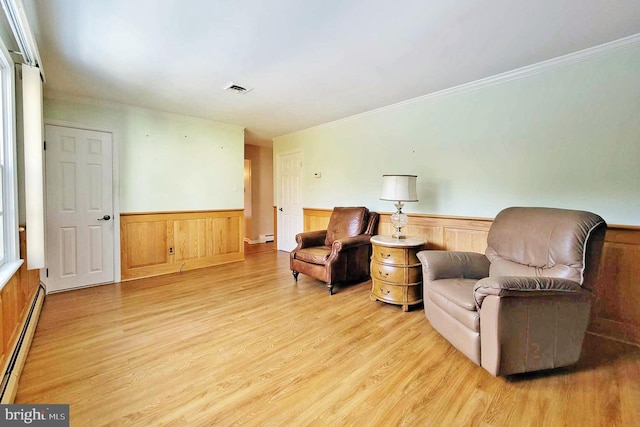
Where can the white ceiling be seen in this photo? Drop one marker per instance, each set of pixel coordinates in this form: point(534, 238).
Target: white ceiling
point(309, 62)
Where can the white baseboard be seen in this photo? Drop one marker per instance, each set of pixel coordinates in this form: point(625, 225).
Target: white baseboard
point(263, 238)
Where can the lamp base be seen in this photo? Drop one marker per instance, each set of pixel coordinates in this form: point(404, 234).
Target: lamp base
point(399, 219)
point(398, 235)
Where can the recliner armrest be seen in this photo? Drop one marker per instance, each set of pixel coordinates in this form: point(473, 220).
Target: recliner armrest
point(310, 239)
point(518, 286)
point(452, 265)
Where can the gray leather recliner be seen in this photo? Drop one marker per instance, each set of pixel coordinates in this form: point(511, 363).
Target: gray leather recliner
point(525, 304)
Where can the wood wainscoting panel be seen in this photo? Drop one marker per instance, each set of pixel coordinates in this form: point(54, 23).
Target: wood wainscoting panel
point(615, 312)
point(431, 234)
point(457, 239)
point(191, 239)
point(161, 243)
point(316, 219)
point(16, 298)
point(147, 243)
point(11, 307)
point(227, 234)
point(442, 232)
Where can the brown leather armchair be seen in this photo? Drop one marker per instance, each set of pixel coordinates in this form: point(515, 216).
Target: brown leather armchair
point(341, 252)
point(524, 305)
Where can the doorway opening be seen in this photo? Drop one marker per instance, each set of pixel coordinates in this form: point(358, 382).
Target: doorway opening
point(258, 193)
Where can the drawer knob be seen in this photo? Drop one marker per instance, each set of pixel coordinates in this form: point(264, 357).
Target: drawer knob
point(383, 255)
point(383, 274)
point(385, 291)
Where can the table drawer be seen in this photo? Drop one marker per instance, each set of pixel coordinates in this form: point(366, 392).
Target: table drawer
point(387, 273)
point(386, 291)
point(396, 294)
point(397, 274)
point(389, 255)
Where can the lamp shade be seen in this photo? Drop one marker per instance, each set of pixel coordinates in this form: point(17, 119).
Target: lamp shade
point(401, 188)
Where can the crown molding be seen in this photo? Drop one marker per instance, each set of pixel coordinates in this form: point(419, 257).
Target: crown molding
point(622, 44)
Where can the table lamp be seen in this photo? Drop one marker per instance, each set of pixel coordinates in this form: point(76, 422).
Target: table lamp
point(399, 188)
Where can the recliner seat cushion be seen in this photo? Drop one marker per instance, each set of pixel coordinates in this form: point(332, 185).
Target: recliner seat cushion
point(455, 297)
point(458, 291)
point(314, 255)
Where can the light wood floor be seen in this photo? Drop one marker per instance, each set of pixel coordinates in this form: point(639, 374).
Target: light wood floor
point(241, 344)
point(250, 249)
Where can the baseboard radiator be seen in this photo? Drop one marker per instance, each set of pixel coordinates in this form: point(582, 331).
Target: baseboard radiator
point(263, 238)
point(11, 375)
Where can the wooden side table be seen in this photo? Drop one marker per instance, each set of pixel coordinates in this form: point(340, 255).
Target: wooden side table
point(396, 271)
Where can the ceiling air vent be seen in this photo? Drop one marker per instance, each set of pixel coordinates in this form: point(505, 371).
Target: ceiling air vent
point(237, 88)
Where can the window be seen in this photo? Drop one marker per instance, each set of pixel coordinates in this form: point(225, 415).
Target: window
point(9, 250)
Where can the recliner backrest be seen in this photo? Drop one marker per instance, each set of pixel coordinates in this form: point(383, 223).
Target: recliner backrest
point(543, 242)
point(346, 222)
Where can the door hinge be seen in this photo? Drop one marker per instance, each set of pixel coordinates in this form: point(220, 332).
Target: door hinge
point(45, 145)
point(47, 273)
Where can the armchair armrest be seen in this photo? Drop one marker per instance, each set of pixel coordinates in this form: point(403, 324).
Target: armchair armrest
point(311, 238)
point(451, 265)
point(512, 286)
point(350, 242)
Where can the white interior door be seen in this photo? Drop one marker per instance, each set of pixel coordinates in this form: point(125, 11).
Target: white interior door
point(80, 234)
point(290, 221)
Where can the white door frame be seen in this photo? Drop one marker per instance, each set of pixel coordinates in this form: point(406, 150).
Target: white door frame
point(278, 159)
point(248, 203)
point(115, 188)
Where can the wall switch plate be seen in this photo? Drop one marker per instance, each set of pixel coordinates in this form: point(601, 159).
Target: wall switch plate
point(317, 174)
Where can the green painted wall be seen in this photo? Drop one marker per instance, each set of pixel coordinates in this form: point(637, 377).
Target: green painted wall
point(167, 162)
point(565, 137)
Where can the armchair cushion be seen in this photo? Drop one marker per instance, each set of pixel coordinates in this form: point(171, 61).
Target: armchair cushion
point(346, 222)
point(314, 255)
point(320, 254)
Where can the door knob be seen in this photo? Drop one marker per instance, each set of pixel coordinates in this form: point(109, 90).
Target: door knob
point(104, 218)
